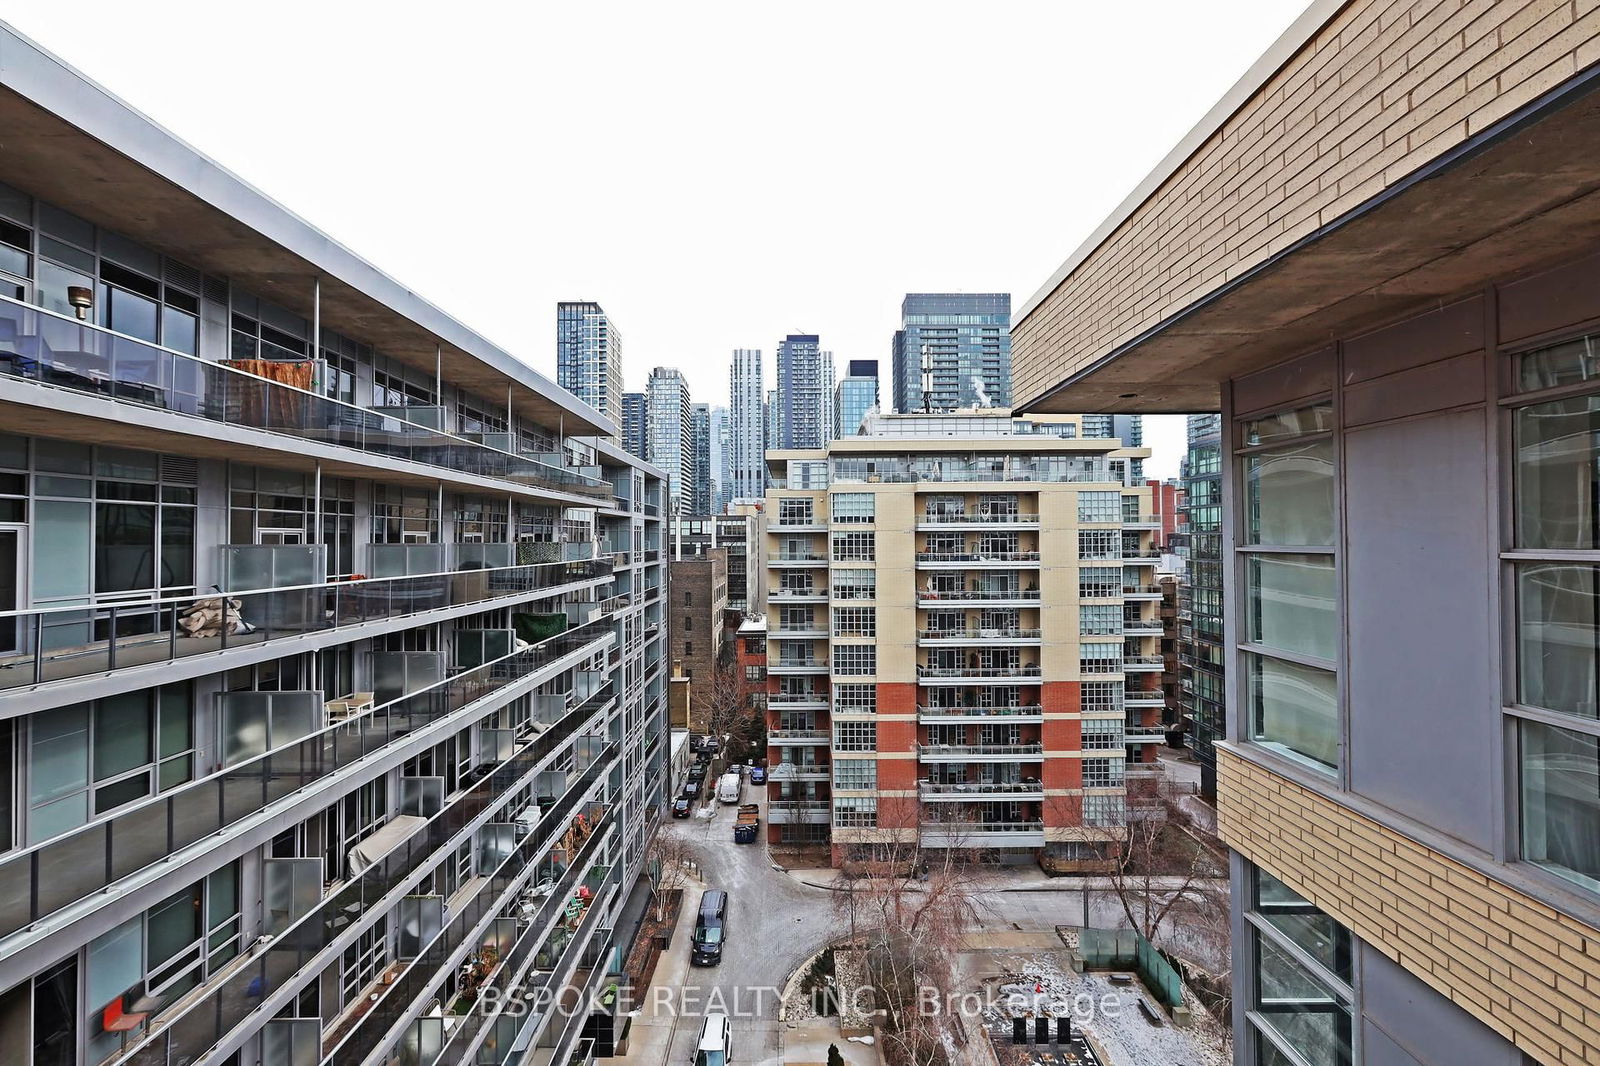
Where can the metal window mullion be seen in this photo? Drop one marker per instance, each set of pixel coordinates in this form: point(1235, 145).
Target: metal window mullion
point(1557, 719)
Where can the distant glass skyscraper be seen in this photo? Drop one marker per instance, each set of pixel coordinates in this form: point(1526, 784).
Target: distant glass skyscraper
point(636, 424)
point(721, 442)
point(589, 356)
point(856, 395)
point(698, 492)
point(671, 443)
point(805, 392)
point(967, 337)
point(1127, 428)
point(747, 426)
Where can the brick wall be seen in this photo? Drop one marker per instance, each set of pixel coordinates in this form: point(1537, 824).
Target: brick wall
point(1523, 969)
point(1385, 87)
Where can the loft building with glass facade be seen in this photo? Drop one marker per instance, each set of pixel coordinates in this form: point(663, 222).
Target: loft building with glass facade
point(1200, 654)
point(856, 394)
point(589, 356)
point(962, 639)
point(952, 350)
point(331, 696)
point(1378, 260)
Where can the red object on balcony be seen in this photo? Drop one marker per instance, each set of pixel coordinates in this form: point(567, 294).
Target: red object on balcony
point(113, 1020)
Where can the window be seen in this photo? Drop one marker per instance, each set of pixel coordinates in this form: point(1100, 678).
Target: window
point(855, 584)
point(1102, 697)
point(794, 512)
point(92, 758)
point(1102, 773)
point(688, 623)
point(855, 622)
point(1099, 544)
point(1100, 658)
point(853, 546)
point(1099, 582)
point(1099, 620)
point(1289, 604)
point(1100, 507)
point(855, 660)
point(1300, 963)
point(755, 673)
point(688, 649)
point(1102, 733)
point(855, 812)
point(855, 699)
point(688, 599)
point(855, 774)
point(852, 507)
point(855, 736)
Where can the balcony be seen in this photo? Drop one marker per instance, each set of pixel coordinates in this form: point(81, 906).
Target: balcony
point(192, 1031)
point(1141, 521)
point(64, 353)
point(1144, 734)
point(1141, 558)
point(807, 595)
point(975, 834)
point(803, 812)
point(56, 873)
point(796, 559)
point(989, 637)
point(957, 675)
point(797, 666)
point(1141, 592)
point(787, 701)
point(977, 560)
point(791, 771)
point(1021, 715)
point(978, 598)
point(796, 737)
point(96, 639)
point(811, 632)
point(1134, 664)
point(978, 791)
point(1143, 627)
point(980, 752)
point(1143, 698)
point(812, 524)
point(942, 520)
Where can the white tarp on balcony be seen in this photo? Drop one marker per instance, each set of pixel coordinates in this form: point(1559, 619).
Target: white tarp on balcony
point(374, 847)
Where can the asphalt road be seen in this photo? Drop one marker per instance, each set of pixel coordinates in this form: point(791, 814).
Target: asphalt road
point(775, 924)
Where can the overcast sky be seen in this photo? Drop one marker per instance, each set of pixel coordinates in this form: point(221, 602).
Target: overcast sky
point(715, 174)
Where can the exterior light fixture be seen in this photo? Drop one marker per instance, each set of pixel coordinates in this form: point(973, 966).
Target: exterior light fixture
point(81, 297)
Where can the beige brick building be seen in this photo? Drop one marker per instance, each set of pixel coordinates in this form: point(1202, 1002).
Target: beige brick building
point(961, 618)
point(1379, 257)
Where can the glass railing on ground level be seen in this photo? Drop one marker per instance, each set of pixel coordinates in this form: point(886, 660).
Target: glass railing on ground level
point(60, 872)
point(62, 643)
point(39, 345)
point(192, 1033)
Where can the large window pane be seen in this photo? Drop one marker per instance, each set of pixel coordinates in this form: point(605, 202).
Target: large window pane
point(1289, 495)
point(1290, 603)
point(125, 545)
point(1299, 920)
point(61, 548)
point(1558, 482)
point(1561, 801)
point(121, 734)
point(1558, 627)
point(1305, 1013)
point(1294, 708)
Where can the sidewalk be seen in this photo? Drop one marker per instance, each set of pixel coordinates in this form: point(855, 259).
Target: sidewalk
point(650, 1034)
point(1022, 879)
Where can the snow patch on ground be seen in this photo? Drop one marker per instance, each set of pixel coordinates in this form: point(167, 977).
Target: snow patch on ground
point(1040, 983)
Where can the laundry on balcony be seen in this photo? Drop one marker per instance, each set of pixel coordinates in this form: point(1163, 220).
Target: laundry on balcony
point(209, 617)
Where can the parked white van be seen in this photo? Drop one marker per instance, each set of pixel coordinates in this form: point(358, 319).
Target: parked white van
point(716, 1042)
point(729, 786)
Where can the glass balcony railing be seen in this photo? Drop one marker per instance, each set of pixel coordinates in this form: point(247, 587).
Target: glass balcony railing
point(194, 1032)
point(532, 937)
point(57, 873)
point(399, 999)
point(52, 349)
point(62, 643)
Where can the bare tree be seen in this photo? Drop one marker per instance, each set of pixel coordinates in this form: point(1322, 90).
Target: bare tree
point(1160, 864)
point(727, 715)
point(908, 910)
point(667, 867)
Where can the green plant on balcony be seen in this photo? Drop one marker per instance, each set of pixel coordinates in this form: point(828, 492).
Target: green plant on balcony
point(475, 971)
point(536, 627)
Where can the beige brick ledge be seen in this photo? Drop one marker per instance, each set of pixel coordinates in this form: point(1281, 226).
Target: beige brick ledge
point(1527, 971)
